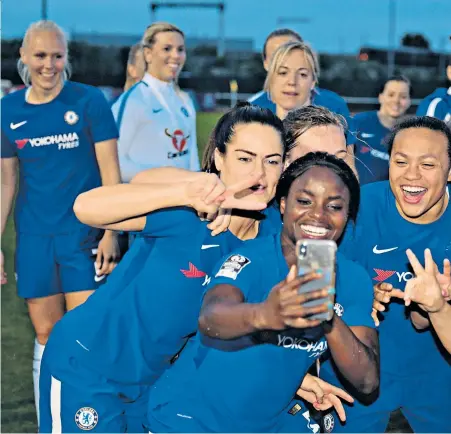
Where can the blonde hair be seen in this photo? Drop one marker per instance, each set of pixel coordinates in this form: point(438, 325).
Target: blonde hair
point(151, 32)
point(134, 51)
point(49, 26)
point(282, 52)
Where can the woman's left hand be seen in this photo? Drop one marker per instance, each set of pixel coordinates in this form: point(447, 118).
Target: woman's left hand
point(323, 395)
point(424, 289)
point(107, 253)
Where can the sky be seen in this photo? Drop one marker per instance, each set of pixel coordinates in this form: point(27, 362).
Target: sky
point(335, 26)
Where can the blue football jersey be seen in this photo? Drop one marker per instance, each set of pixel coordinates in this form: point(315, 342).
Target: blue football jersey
point(54, 143)
point(130, 330)
point(379, 243)
point(322, 97)
point(247, 384)
point(437, 105)
point(371, 154)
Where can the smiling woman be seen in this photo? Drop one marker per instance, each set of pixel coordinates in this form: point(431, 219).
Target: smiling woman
point(157, 108)
point(400, 220)
point(62, 136)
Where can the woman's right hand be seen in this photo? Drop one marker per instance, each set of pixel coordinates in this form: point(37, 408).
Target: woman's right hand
point(208, 195)
point(284, 305)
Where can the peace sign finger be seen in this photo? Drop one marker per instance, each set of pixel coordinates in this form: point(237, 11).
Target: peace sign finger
point(415, 263)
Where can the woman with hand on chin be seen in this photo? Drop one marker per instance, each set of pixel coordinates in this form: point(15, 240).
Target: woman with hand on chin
point(60, 137)
point(155, 118)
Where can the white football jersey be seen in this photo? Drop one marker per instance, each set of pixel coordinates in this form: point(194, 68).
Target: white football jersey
point(157, 127)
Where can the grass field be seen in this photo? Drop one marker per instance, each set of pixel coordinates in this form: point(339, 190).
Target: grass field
point(17, 403)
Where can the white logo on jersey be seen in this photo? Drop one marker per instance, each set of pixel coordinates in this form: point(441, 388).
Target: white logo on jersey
point(404, 276)
point(339, 309)
point(71, 117)
point(207, 280)
point(64, 141)
point(317, 348)
point(209, 246)
point(312, 426)
point(15, 126)
point(377, 251)
point(329, 422)
point(367, 135)
point(86, 418)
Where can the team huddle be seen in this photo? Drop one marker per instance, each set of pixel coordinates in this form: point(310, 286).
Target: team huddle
point(203, 322)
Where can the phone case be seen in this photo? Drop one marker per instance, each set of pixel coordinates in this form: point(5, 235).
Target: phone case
point(313, 255)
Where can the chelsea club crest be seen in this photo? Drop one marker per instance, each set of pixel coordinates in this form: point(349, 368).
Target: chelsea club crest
point(86, 418)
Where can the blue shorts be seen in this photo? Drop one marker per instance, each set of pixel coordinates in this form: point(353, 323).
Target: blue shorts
point(76, 399)
point(425, 401)
point(51, 264)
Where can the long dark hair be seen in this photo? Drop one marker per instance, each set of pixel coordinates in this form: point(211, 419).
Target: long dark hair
point(222, 134)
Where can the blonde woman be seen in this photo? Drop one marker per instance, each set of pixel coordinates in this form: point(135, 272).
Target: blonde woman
point(157, 120)
point(62, 138)
point(292, 76)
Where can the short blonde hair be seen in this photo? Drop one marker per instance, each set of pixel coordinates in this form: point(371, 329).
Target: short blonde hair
point(42, 26)
point(151, 32)
point(282, 52)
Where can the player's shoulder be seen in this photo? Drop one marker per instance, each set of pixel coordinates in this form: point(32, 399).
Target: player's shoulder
point(350, 270)
point(257, 248)
point(363, 117)
point(331, 97)
point(374, 197)
point(13, 99)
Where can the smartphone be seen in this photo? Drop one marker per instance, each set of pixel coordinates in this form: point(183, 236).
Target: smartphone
point(313, 255)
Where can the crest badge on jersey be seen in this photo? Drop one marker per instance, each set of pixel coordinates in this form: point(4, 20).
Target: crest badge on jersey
point(339, 309)
point(233, 266)
point(71, 117)
point(185, 111)
point(86, 418)
point(329, 422)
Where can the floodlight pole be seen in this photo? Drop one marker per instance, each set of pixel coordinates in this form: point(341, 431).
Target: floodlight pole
point(44, 9)
point(391, 37)
point(220, 6)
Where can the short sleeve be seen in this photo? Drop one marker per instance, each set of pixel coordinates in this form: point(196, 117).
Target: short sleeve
point(238, 269)
point(357, 301)
point(172, 222)
point(100, 118)
point(8, 150)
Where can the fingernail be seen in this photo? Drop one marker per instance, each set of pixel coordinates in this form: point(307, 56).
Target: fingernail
point(331, 291)
point(330, 305)
point(319, 270)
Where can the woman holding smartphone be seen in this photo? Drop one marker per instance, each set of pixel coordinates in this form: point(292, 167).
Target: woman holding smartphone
point(242, 370)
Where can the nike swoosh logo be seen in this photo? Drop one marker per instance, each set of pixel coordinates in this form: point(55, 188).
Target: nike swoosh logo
point(367, 135)
point(99, 278)
point(209, 246)
point(15, 126)
point(379, 251)
point(157, 110)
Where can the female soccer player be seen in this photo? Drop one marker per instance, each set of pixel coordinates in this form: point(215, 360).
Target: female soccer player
point(373, 127)
point(292, 76)
point(316, 129)
point(241, 371)
point(136, 66)
point(409, 213)
point(157, 120)
point(62, 138)
point(102, 357)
